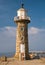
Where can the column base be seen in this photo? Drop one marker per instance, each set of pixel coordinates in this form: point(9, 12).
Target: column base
point(19, 57)
point(16, 56)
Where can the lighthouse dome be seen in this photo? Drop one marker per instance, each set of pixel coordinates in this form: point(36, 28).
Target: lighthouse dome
point(21, 9)
point(22, 13)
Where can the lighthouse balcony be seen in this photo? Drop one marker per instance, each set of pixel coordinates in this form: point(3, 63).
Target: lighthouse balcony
point(17, 18)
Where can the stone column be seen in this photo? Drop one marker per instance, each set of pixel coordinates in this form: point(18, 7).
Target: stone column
point(22, 38)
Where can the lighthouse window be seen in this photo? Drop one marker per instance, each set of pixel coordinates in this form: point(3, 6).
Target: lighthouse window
point(22, 38)
point(22, 28)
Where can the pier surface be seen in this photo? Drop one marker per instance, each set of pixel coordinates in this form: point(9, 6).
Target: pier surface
point(12, 61)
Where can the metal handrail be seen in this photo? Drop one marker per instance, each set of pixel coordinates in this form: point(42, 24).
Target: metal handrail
point(18, 18)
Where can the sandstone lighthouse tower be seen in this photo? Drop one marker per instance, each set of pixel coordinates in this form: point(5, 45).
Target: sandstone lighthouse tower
point(22, 21)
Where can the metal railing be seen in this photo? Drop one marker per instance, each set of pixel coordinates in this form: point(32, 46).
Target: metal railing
point(19, 18)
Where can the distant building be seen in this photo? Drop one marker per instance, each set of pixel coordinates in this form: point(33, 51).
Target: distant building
point(37, 54)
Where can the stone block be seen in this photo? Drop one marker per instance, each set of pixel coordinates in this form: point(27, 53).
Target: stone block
point(3, 58)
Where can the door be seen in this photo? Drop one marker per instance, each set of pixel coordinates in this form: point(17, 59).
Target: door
point(22, 51)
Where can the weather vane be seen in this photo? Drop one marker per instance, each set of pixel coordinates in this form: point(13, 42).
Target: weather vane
point(22, 5)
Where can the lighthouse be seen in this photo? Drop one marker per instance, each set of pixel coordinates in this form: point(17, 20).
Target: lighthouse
point(22, 21)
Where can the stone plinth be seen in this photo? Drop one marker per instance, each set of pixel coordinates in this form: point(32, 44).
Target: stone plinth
point(3, 58)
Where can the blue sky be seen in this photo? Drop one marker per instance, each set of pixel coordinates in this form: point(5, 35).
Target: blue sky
point(36, 30)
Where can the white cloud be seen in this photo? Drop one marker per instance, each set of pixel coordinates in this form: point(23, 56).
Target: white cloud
point(8, 31)
point(34, 30)
point(36, 38)
point(8, 38)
